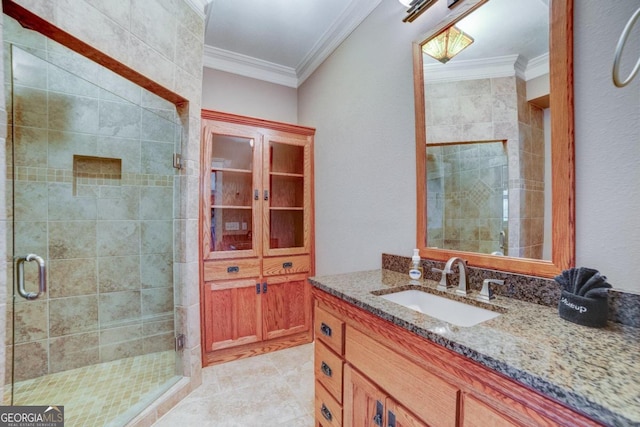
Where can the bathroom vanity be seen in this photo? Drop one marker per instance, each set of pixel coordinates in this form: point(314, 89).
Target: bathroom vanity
point(381, 363)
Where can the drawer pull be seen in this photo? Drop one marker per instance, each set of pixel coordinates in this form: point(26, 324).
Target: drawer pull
point(391, 419)
point(326, 413)
point(377, 420)
point(325, 329)
point(326, 369)
point(288, 264)
point(233, 269)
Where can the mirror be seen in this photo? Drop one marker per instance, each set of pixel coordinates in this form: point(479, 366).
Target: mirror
point(448, 141)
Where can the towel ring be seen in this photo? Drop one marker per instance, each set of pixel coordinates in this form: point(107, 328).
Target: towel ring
point(619, 47)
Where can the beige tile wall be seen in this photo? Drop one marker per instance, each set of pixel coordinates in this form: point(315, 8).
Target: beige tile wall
point(496, 109)
point(165, 49)
point(106, 235)
point(4, 300)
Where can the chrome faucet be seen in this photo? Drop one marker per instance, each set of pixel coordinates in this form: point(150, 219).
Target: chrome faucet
point(486, 294)
point(463, 286)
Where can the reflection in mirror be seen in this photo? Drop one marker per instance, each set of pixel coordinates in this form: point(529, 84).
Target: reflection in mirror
point(506, 87)
point(467, 197)
point(496, 89)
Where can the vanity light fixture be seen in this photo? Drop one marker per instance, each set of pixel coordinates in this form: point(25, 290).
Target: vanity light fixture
point(416, 8)
point(447, 44)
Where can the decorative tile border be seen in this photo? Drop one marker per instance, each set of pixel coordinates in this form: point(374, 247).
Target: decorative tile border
point(37, 174)
point(624, 307)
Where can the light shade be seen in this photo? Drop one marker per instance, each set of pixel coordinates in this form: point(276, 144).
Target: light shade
point(447, 44)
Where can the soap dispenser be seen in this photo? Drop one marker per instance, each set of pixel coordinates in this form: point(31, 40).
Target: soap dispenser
point(415, 272)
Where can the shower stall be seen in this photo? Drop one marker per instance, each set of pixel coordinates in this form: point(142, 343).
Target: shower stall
point(91, 200)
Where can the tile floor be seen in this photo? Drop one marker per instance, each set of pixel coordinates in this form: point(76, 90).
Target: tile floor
point(273, 389)
point(107, 394)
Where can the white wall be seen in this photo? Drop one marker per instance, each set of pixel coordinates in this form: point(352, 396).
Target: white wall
point(236, 94)
point(607, 144)
point(361, 102)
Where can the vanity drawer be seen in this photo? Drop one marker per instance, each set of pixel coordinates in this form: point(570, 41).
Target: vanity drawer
point(328, 411)
point(231, 269)
point(286, 265)
point(329, 329)
point(328, 370)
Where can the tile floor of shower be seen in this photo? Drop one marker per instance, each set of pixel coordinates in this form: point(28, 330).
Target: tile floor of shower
point(273, 389)
point(107, 394)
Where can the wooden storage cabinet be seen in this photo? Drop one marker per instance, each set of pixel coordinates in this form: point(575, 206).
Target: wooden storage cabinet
point(232, 314)
point(394, 378)
point(256, 235)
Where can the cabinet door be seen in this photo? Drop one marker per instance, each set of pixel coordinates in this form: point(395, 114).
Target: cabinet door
point(231, 182)
point(363, 401)
point(286, 305)
point(232, 313)
point(287, 194)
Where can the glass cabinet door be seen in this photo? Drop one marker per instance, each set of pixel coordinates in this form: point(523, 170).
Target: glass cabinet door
point(233, 194)
point(287, 168)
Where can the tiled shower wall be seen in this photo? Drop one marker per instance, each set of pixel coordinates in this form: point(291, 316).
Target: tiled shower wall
point(94, 197)
point(158, 43)
point(465, 190)
point(496, 109)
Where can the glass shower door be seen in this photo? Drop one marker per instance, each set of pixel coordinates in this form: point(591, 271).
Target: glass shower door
point(91, 207)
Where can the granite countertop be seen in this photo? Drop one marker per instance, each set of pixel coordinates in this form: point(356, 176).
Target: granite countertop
point(594, 371)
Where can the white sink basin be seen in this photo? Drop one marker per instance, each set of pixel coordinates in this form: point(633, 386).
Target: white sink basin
point(454, 312)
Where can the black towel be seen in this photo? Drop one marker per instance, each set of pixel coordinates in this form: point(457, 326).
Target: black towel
point(584, 297)
point(592, 312)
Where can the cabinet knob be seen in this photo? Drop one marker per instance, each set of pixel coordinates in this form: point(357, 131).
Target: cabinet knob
point(264, 288)
point(326, 369)
point(258, 288)
point(266, 194)
point(325, 329)
point(256, 194)
point(326, 413)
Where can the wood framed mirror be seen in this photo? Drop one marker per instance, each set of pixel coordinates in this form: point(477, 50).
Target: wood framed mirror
point(562, 212)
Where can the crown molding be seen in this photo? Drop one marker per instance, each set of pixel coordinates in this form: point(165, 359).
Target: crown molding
point(486, 68)
point(348, 21)
point(473, 69)
point(537, 67)
point(248, 66)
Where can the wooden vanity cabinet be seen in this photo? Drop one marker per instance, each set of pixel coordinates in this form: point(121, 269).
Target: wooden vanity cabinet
point(367, 405)
point(256, 235)
point(393, 377)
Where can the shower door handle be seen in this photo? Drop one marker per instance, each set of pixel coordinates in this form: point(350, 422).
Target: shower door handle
point(42, 276)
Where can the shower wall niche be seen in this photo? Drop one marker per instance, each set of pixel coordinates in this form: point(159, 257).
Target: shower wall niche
point(93, 194)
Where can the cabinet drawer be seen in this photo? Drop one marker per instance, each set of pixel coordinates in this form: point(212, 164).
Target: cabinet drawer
point(432, 399)
point(231, 269)
point(329, 329)
point(328, 370)
point(328, 411)
point(286, 265)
